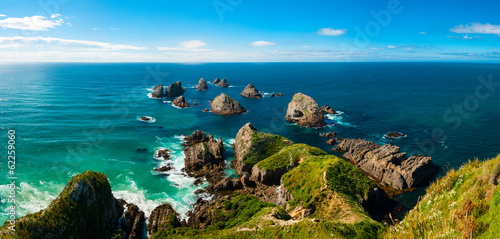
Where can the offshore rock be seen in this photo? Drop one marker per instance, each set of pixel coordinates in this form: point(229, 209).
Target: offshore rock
point(202, 85)
point(157, 91)
point(174, 90)
point(181, 102)
point(251, 92)
point(304, 111)
point(225, 105)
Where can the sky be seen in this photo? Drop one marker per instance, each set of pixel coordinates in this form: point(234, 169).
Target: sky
point(249, 31)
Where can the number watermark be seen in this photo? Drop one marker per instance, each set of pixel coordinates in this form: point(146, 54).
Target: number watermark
point(12, 178)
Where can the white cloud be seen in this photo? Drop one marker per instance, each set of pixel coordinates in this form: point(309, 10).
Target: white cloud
point(34, 23)
point(477, 28)
point(423, 33)
point(262, 43)
point(392, 47)
point(20, 41)
point(331, 32)
point(95, 28)
point(3, 15)
point(55, 16)
point(193, 46)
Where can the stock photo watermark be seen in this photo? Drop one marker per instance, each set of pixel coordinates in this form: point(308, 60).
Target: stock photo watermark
point(458, 112)
point(11, 177)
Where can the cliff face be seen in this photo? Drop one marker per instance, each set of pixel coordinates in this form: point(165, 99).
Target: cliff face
point(304, 111)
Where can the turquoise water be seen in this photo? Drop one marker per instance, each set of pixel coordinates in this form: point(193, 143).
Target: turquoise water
point(70, 118)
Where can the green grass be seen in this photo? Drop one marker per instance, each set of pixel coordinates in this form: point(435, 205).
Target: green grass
point(462, 204)
point(289, 156)
point(265, 145)
point(345, 178)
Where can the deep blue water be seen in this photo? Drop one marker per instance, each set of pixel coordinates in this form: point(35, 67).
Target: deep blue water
point(70, 118)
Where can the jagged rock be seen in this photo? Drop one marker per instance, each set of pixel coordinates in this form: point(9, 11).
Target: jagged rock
point(226, 184)
point(163, 168)
point(204, 156)
point(251, 92)
point(163, 217)
point(327, 109)
point(394, 135)
point(85, 208)
point(328, 135)
point(157, 91)
point(181, 102)
point(225, 105)
point(216, 81)
point(250, 143)
point(301, 212)
point(163, 153)
point(133, 222)
point(174, 90)
point(304, 111)
point(223, 83)
point(387, 164)
point(332, 141)
point(202, 85)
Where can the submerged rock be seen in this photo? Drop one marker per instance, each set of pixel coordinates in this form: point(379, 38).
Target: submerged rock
point(251, 92)
point(328, 110)
point(223, 83)
point(145, 118)
point(181, 102)
point(206, 110)
point(174, 90)
point(163, 168)
point(387, 164)
point(202, 85)
point(225, 105)
point(279, 94)
point(157, 91)
point(304, 111)
point(163, 217)
point(394, 135)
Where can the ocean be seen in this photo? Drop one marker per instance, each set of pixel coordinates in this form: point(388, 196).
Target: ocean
point(73, 117)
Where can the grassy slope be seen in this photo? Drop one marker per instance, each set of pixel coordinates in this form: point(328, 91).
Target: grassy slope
point(264, 146)
point(312, 184)
point(462, 204)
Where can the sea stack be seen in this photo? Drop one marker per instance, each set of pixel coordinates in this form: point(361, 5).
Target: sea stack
point(202, 85)
point(225, 105)
point(216, 81)
point(175, 89)
point(223, 83)
point(304, 111)
point(181, 102)
point(251, 92)
point(157, 91)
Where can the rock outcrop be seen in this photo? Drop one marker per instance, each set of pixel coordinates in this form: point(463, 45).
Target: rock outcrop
point(225, 105)
point(251, 92)
point(328, 135)
point(216, 81)
point(202, 85)
point(327, 109)
point(181, 102)
point(132, 222)
point(163, 217)
point(304, 111)
point(85, 208)
point(252, 146)
point(174, 90)
point(387, 164)
point(157, 91)
point(223, 83)
point(163, 153)
point(204, 156)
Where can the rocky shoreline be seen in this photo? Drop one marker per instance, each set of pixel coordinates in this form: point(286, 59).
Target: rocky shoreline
point(280, 183)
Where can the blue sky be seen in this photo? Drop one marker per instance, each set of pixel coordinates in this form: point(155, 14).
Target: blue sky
point(249, 31)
